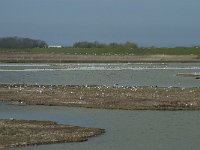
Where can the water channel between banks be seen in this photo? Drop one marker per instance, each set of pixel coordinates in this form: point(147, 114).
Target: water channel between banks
point(139, 130)
point(142, 130)
point(133, 74)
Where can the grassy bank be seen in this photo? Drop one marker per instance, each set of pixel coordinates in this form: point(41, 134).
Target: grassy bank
point(60, 58)
point(108, 51)
point(99, 55)
point(15, 133)
point(130, 98)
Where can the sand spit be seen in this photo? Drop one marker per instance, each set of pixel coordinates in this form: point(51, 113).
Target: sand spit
point(129, 98)
point(15, 133)
point(193, 75)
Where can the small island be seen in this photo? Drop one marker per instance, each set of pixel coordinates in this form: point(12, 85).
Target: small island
point(104, 97)
point(16, 133)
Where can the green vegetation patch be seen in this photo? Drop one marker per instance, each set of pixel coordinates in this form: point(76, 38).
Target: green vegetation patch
point(108, 51)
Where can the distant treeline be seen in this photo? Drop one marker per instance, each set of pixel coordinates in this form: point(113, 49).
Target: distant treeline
point(96, 44)
point(20, 43)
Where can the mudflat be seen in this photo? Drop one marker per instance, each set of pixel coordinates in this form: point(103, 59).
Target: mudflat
point(59, 58)
point(129, 98)
point(15, 133)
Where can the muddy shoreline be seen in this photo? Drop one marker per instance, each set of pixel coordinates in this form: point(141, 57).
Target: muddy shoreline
point(17, 133)
point(63, 58)
point(127, 98)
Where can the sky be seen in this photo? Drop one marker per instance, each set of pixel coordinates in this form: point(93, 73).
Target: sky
point(160, 23)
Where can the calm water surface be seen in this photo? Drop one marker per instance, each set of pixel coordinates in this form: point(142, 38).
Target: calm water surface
point(139, 130)
point(128, 130)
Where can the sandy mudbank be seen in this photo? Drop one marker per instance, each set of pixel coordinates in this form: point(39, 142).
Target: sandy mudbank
point(131, 98)
point(15, 133)
point(50, 58)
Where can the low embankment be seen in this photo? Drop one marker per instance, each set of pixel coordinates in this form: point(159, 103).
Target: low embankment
point(50, 55)
point(59, 58)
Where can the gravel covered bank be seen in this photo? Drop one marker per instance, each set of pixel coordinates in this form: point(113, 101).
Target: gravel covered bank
point(131, 98)
point(15, 133)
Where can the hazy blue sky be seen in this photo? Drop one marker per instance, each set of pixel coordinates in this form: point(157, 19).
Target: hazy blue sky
point(146, 22)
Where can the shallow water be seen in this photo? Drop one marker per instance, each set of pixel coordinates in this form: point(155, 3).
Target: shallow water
point(139, 130)
point(152, 130)
point(131, 74)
